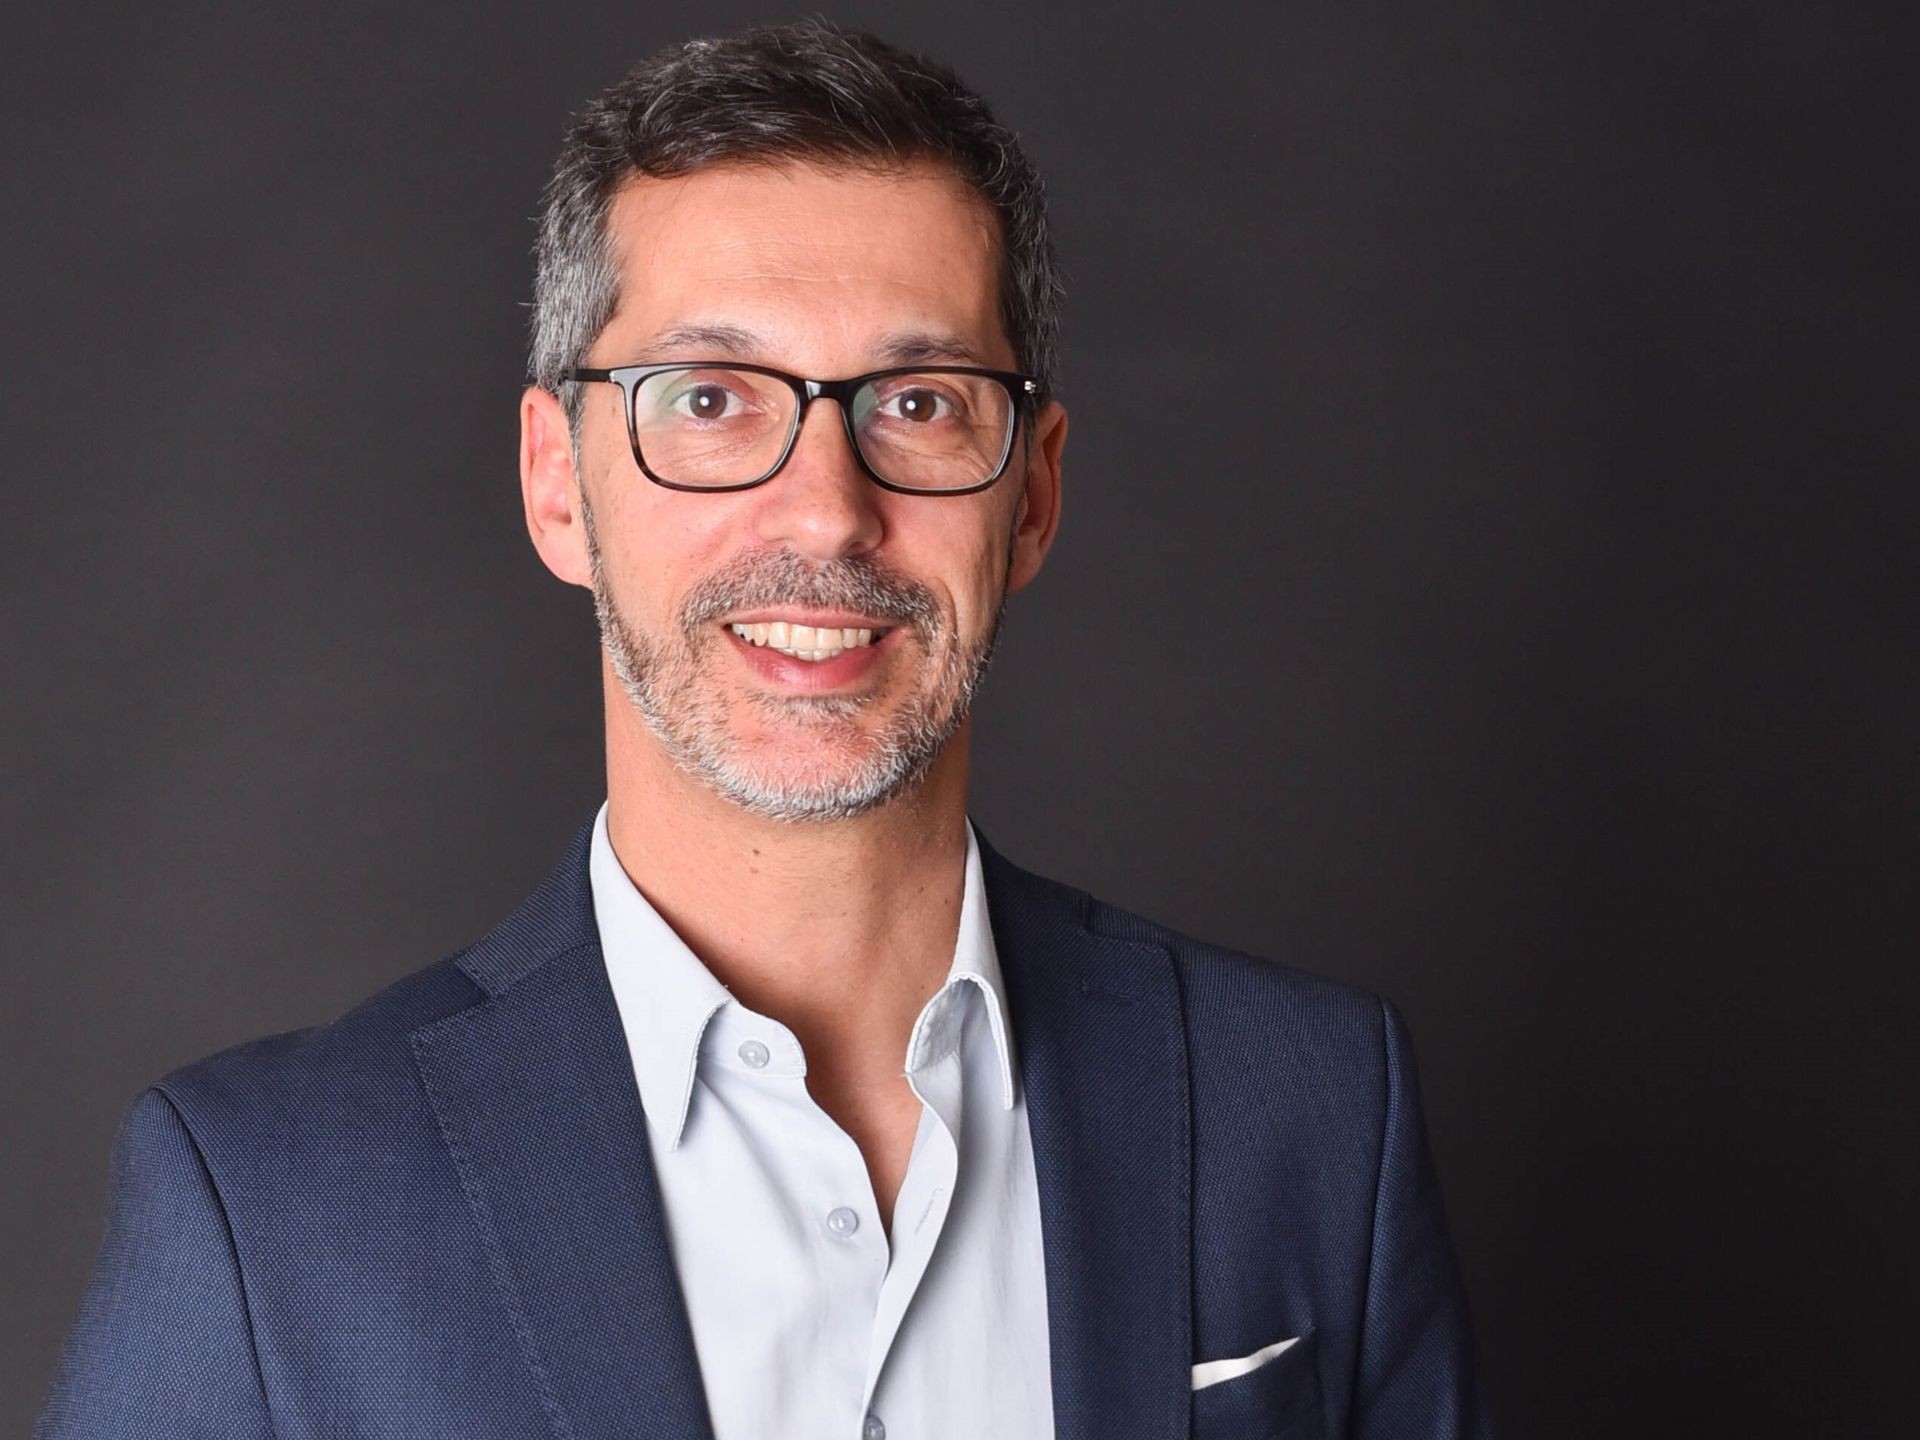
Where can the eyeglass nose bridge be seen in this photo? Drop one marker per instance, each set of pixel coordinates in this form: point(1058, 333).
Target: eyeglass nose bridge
point(805, 392)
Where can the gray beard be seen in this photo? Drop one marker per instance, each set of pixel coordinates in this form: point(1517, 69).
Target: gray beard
point(662, 681)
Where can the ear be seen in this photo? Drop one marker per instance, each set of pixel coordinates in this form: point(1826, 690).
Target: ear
point(549, 488)
point(1038, 513)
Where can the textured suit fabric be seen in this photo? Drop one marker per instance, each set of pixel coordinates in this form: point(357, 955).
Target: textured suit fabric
point(437, 1216)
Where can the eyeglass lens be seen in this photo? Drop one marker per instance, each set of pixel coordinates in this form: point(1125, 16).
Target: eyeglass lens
point(708, 425)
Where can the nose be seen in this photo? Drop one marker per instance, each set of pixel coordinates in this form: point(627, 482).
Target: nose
point(821, 504)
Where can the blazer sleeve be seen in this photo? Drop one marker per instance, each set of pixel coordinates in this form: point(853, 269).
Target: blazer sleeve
point(163, 1347)
point(1417, 1373)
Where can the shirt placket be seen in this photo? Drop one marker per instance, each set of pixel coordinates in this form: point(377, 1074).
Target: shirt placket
point(920, 1210)
point(760, 1069)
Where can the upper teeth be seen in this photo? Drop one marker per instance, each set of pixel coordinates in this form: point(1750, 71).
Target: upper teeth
point(806, 642)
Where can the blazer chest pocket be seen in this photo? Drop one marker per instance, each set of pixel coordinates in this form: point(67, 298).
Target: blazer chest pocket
point(1279, 1400)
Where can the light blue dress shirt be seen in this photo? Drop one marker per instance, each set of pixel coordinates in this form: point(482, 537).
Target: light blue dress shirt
point(805, 1320)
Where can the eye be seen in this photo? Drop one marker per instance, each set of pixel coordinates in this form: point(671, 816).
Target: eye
point(705, 401)
point(917, 403)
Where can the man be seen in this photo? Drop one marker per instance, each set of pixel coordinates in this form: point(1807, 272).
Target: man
point(787, 1106)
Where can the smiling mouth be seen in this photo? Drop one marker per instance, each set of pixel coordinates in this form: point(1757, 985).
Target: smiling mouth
point(809, 642)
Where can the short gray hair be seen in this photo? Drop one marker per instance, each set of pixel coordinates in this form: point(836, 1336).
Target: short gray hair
point(808, 91)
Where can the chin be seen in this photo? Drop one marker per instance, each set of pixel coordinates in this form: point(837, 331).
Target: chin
point(779, 782)
point(798, 801)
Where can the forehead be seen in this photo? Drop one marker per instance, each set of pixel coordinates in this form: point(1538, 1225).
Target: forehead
point(822, 265)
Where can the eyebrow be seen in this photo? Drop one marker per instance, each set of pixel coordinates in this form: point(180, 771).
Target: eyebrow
point(728, 340)
point(734, 342)
point(927, 347)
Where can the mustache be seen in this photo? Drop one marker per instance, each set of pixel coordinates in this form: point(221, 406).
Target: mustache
point(780, 577)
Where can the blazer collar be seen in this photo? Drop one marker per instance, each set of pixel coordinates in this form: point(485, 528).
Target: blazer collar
point(538, 1104)
point(1104, 1062)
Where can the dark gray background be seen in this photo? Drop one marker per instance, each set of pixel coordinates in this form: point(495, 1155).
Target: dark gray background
point(1486, 575)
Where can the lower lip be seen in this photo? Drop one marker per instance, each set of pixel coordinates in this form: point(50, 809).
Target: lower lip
point(854, 663)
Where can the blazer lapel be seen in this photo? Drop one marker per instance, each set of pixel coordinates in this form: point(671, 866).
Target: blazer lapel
point(535, 1096)
point(1103, 1061)
point(536, 1099)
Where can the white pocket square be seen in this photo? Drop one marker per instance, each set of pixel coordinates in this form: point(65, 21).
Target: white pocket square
point(1212, 1372)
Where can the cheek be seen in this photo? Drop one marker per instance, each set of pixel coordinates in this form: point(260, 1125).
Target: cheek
point(656, 550)
point(980, 580)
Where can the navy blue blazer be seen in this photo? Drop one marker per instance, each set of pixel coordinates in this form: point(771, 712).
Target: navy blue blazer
point(437, 1216)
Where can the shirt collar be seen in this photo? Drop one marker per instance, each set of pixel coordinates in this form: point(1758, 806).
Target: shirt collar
point(666, 996)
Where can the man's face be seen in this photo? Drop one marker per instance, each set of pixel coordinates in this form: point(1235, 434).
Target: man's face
point(824, 274)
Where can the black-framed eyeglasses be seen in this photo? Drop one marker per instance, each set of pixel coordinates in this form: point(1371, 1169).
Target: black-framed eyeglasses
point(720, 425)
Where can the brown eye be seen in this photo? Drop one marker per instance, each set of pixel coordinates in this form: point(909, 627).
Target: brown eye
point(705, 402)
point(919, 404)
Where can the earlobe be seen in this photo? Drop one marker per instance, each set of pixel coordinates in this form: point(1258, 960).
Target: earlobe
point(549, 487)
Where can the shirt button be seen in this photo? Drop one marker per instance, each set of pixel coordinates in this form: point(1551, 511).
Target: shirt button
point(754, 1053)
point(842, 1221)
point(873, 1429)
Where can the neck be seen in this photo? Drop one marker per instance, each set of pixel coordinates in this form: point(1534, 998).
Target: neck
point(841, 930)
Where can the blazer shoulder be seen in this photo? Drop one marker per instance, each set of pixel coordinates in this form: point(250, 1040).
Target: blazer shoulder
point(1219, 986)
point(1214, 973)
point(270, 1080)
point(356, 1067)
point(1262, 1035)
